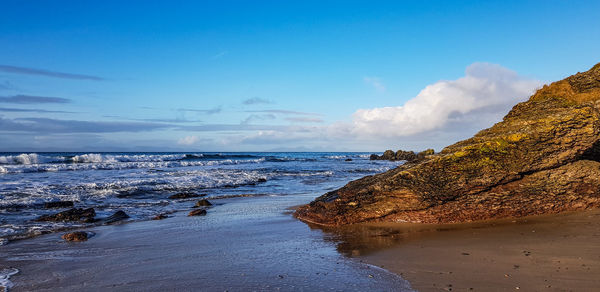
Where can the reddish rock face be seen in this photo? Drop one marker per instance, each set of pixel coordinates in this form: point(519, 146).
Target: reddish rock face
point(542, 158)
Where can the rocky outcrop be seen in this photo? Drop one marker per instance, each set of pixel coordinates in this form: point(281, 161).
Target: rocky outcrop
point(409, 156)
point(541, 158)
point(74, 214)
point(58, 204)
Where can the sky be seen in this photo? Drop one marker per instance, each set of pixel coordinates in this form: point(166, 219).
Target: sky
point(277, 75)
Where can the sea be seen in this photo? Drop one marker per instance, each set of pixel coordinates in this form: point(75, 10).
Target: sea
point(140, 183)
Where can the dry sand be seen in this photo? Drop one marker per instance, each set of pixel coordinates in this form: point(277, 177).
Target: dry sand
point(547, 253)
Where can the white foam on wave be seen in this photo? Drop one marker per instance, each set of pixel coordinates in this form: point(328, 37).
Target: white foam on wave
point(5, 276)
point(24, 158)
point(92, 158)
point(336, 156)
point(3, 170)
point(110, 158)
point(108, 188)
point(305, 174)
point(347, 156)
point(111, 163)
point(33, 158)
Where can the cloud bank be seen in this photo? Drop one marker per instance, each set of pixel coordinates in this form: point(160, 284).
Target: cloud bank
point(47, 73)
point(487, 91)
point(53, 126)
point(40, 111)
point(30, 99)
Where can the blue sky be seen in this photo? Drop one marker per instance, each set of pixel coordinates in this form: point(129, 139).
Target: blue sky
point(277, 75)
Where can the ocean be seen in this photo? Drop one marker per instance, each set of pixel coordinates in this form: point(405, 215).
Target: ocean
point(140, 183)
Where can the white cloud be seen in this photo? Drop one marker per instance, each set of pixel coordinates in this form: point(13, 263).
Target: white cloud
point(486, 93)
point(188, 140)
point(375, 82)
point(441, 114)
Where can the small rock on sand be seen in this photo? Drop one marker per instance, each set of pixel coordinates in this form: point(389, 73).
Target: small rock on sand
point(117, 216)
point(75, 236)
point(199, 212)
point(203, 203)
point(160, 217)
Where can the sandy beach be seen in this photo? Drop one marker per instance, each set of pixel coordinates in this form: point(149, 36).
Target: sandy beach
point(544, 253)
point(242, 244)
point(256, 244)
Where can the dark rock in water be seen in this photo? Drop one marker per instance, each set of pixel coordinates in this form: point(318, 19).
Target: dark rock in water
point(75, 236)
point(408, 156)
point(405, 155)
point(58, 204)
point(75, 214)
point(348, 159)
point(117, 216)
point(198, 212)
point(203, 203)
point(262, 180)
point(543, 157)
point(138, 194)
point(388, 155)
point(184, 195)
point(160, 217)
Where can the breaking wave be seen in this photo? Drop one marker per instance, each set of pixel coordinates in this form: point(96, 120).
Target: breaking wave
point(141, 183)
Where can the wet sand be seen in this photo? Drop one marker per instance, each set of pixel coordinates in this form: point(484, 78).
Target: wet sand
point(547, 253)
point(242, 244)
point(255, 244)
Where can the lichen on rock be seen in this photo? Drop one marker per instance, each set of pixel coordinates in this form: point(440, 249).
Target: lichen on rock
point(541, 158)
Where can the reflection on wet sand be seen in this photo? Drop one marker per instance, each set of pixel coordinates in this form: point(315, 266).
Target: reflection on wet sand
point(366, 238)
point(550, 253)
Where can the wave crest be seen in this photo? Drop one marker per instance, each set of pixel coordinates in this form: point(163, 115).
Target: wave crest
point(24, 158)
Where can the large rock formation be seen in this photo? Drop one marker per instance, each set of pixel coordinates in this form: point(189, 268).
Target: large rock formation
point(408, 156)
point(542, 158)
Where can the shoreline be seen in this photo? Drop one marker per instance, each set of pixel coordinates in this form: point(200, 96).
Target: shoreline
point(242, 244)
point(552, 252)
